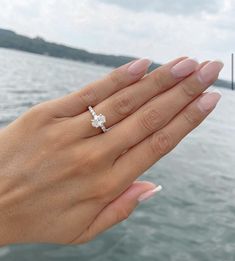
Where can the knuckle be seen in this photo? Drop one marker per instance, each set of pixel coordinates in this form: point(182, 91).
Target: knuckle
point(87, 161)
point(121, 213)
point(94, 158)
point(124, 103)
point(87, 236)
point(82, 162)
point(88, 96)
point(116, 78)
point(39, 113)
point(158, 80)
point(151, 119)
point(40, 108)
point(161, 143)
point(105, 191)
point(49, 135)
point(52, 138)
point(188, 90)
point(191, 117)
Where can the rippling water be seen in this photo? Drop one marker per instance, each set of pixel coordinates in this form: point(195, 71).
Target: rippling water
point(193, 218)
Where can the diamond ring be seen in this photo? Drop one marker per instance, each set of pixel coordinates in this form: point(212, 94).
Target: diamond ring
point(98, 120)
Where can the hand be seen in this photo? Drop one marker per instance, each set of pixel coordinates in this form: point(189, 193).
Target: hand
point(63, 181)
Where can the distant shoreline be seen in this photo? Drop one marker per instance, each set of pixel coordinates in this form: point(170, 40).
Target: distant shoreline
point(11, 40)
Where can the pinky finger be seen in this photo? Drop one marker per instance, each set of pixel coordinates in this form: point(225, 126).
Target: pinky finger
point(119, 209)
point(146, 153)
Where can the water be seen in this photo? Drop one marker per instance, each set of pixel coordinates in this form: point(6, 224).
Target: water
point(193, 218)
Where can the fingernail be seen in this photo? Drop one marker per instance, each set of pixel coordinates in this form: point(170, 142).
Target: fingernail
point(149, 194)
point(139, 66)
point(209, 73)
point(209, 100)
point(184, 68)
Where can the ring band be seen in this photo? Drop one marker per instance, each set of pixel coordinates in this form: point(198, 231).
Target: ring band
point(98, 120)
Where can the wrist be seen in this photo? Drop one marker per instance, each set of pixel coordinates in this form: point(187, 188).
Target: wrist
point(9, 226)
point(6, 236)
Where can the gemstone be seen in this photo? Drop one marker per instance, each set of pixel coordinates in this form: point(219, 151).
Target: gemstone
point(98, 121)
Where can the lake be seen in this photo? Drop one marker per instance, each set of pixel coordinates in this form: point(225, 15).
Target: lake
point(192, 218)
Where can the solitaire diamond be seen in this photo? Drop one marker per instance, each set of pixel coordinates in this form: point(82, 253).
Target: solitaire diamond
point(98, 121)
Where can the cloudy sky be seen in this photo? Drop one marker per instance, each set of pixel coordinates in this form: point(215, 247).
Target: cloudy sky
point(161, 30)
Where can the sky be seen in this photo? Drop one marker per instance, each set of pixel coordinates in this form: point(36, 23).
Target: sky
point(159, 30)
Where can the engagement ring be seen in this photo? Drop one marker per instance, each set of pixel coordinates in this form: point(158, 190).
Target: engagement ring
point(98, 120)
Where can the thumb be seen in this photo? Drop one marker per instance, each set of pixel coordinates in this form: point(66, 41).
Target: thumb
point(120, 209)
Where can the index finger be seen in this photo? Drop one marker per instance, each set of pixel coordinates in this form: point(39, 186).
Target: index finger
point(94, 93)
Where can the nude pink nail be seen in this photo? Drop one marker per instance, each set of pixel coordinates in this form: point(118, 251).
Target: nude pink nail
point(209, 73)
point(184, 68)
point(149, 194)
point(209, 100)
point(139, 66)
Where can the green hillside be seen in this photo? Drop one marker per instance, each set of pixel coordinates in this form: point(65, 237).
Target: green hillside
point(11, 40)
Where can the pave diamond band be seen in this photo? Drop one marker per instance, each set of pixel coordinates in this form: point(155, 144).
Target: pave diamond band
point(98, 120)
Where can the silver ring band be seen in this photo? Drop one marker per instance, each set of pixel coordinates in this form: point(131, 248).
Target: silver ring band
point(98, 120)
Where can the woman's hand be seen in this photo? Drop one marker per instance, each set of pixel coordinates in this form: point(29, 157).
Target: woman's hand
point(63, 181)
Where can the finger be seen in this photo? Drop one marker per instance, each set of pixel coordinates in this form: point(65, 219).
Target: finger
point(77, 102)
point(145, 154)
point(119, 209)
point(128, 100)
point(157, 113)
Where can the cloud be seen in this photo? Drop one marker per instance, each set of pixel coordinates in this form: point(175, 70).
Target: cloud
point(185, 7)
point(112, 28)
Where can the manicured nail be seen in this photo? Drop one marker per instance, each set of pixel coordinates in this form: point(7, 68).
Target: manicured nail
point(184, 68)
point(139, 66)
point(149, 194)
point(209, 73)
point(209, 100)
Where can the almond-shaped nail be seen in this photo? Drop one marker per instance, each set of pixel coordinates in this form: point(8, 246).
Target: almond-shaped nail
point(209, 73)
point(149, 194)
point(184, 68)
point(139, 66)
point(209, 100)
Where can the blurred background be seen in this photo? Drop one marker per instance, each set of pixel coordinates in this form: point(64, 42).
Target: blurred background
point(49, 48)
